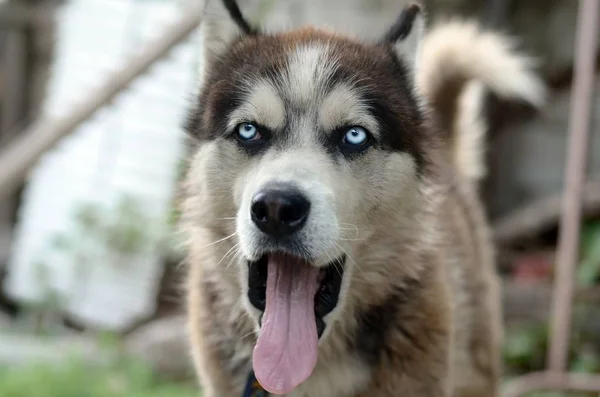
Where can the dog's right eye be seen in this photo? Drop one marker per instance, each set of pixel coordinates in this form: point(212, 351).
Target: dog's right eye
point(248, 132)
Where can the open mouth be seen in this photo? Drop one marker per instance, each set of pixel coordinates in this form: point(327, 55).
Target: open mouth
point(329, 281)
point(294, 297)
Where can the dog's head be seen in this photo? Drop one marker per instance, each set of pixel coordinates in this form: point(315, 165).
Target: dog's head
point(308, 141)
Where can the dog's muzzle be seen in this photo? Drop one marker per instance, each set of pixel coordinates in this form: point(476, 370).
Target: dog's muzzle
point(293, 292)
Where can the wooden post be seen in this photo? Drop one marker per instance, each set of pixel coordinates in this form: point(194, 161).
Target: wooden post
point(557, 376)
point(14, 83)
point(575, 174)
point(13, 110)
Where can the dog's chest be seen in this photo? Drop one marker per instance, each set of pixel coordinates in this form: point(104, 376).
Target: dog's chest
point(341, 377)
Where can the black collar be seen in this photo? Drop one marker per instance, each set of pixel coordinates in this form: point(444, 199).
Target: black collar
point(253, 388)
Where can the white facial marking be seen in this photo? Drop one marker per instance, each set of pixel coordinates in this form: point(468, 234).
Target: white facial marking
point(308, 68)
point(305, 169)
point(263, 105)
point(343, 106)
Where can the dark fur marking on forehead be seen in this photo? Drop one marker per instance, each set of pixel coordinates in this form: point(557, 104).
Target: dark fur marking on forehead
point(403, 25)
point(234, 12)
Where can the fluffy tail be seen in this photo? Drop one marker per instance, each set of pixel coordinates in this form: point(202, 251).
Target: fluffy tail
point(458, 61)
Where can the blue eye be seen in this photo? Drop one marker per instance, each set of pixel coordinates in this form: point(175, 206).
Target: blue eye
point(248, 132)
point(356, 136)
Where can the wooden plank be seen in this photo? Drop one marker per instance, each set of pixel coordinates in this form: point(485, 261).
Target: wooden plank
point(23, 152)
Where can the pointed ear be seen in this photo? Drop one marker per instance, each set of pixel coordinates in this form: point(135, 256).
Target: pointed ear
point(406, 34)
point(223, 23)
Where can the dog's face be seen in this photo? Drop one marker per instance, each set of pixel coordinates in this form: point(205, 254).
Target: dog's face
point(308, 140)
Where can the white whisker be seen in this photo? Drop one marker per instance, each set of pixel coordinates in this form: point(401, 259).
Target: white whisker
point(350, 239)
point(330, 259)
point(234, 258)
point(220, 240)
point(227, 253)
point(351, 227)
point(349, 257)
point(247, 334)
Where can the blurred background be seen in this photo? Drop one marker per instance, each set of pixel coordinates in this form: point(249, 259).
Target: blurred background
point(91, 155)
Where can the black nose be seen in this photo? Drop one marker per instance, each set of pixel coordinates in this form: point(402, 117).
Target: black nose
point(279, 211)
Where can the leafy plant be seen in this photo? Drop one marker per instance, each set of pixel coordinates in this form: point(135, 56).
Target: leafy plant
point(113, 235)
point(588, 272)
point(120, 230)
point(126, 234)
point(525, 348)
point(75, 378)
point(586, 361)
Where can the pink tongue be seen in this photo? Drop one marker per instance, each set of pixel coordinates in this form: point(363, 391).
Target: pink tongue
point(286, 352)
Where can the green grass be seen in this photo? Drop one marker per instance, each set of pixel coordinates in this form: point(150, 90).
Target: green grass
point(123, 378)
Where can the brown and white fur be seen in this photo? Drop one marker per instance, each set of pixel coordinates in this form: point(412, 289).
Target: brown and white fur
point(419, 311)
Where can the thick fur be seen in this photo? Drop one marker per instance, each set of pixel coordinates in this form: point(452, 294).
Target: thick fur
point(458, 61)
point(419, 310)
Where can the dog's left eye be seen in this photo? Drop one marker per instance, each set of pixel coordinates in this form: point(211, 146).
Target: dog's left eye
point(248, 132)
point(356, 136)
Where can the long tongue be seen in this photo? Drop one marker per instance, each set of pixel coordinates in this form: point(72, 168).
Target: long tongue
point(286, 351)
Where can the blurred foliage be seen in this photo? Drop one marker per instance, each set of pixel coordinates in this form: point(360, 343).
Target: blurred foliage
point(525, 350)
point(113, 235)
point(121, 229)
point(118, 376)
point(588, 272)
point(558, 394)
point(525, 346)
point(127, 232)
point(73, 378)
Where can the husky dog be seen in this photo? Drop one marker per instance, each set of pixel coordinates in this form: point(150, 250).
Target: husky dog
point(337, 246)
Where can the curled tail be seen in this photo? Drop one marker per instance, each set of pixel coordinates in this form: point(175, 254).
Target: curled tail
point(458, 62)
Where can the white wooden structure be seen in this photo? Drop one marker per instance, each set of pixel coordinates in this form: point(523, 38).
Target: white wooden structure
point(129, 149)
